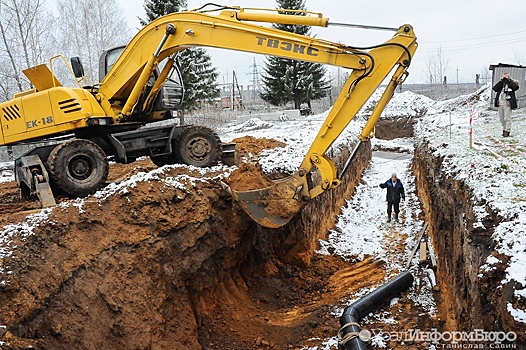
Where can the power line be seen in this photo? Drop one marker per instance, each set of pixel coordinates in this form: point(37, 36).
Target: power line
point(478, 38)
point(473, 46)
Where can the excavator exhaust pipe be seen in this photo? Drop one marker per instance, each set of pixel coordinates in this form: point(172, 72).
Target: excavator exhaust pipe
point(276, 205)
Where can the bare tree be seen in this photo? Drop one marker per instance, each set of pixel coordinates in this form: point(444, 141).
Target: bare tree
point(90, 27)
point(25, 32)
point(8, 82)
point(437, 67)
point(519, 58)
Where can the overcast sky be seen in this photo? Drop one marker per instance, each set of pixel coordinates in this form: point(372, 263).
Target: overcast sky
point(472, 34)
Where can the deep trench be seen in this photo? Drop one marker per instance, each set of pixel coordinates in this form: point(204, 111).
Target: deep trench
point(470, 300)
point(465, 303)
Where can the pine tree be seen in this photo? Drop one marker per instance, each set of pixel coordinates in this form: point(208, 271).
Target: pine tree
point(200, 82)
point(199, 76)
point(157, 8)
point(287, 80)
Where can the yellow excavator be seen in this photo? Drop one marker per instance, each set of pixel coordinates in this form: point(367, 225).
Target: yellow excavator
point(109, 119)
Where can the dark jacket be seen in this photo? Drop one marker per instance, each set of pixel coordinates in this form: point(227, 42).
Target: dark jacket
point(394, 192)
point(513, 86)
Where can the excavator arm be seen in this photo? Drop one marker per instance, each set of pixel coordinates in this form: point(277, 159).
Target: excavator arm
point(276, 205)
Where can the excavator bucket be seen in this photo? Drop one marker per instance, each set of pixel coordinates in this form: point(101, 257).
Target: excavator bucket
point(276, 205)
point(32, 178)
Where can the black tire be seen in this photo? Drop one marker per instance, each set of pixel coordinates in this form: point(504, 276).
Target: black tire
point(198, 146)
point(78, 167)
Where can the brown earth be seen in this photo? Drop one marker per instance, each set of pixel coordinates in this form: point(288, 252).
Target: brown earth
point(251, 145)
point(248, 176)
point(389, 129)
point(157, 267)
point(164, 267)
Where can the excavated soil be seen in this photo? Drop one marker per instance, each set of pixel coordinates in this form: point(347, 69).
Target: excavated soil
point(248, 176)
point(159, 266)
point(249, 145)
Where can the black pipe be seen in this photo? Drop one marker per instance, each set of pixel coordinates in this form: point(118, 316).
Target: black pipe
point(354, 312)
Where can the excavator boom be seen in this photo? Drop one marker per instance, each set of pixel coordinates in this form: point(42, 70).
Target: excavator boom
point(106, 118)
point(229, 29)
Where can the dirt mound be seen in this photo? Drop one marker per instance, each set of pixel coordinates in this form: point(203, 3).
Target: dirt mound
point(248, 176)
point(113, 268)
point(251, 145)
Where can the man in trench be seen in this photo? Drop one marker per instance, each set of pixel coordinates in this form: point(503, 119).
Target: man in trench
point(395, 192)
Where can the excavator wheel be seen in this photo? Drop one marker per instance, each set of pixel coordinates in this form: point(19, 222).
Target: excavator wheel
point(78, 167)
point(198, 146)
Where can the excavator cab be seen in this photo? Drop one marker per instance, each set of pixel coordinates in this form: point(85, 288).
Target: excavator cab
point(170, 97)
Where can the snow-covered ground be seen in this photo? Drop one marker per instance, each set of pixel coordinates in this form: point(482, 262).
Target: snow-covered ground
point(495, 168)
point(359, 229)
point(297, 134)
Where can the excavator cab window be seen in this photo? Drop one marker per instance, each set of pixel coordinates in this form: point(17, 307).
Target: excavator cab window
point(108, 59)
point(171, 95)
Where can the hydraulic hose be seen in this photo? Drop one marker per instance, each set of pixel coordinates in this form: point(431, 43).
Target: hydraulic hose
point(349, 320)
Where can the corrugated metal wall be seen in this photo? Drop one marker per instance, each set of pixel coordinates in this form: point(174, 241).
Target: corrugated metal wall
point(517, 73)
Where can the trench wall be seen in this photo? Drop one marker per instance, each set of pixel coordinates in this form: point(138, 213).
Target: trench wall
point(468, 301)
point(296, 242)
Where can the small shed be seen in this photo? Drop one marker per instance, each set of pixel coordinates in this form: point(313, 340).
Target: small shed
point(517, 73)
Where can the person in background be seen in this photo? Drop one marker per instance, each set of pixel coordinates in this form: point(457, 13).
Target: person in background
point(395, 192)
point(505, 100)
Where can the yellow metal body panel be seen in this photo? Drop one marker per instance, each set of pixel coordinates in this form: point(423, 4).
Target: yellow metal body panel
point(24, 93)
point(41, 77)
point(45, 113)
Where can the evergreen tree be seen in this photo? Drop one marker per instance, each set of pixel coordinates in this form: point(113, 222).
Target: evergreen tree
point(199, 76)
point(157, 8)
point(287, 80)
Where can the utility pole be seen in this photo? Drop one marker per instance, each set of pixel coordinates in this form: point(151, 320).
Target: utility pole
point(457, 76)
point(255, 79)
point(236, 85)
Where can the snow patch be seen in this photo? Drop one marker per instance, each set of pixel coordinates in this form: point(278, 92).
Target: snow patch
point(518, 315)
point(22, 231)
